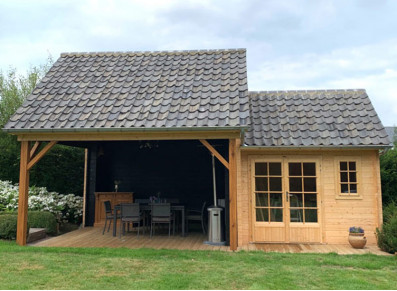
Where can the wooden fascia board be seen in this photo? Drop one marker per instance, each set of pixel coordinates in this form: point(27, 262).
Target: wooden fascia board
point(215, 153)
point(114, 136)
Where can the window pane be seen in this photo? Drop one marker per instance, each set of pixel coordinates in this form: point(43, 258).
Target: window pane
point(296, 200)
point(295, 184)
point(275, 184)
point(275, 169)
point(295, 169)
point(310, 215)
point(343, 177)
point(261, 184)
point(261, 199)
point(310, 200)
point(276, 200)
point(296, 215)
point(276, 215)
point(309, 169)
point(310, 184)
point(352, 166)
point(262, 214)
point(260, 168)
point(344, 188)
point(353, 188)
point(343, 166)
point(352, 177)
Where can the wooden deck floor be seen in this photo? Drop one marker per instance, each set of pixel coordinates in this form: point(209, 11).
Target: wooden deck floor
point(92, 237)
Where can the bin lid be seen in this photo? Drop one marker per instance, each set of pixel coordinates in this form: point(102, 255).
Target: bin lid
point(213, 208)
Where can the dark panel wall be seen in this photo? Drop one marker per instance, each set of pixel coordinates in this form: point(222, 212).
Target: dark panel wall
point(176, 169)
point(91, 182)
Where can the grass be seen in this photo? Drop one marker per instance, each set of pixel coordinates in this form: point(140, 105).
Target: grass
point(104, 268)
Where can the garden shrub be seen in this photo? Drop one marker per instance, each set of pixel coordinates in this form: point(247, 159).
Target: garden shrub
point(43, 219)
point(389, 211)
point(8, 226)
point(387, 234)
point(65, 208)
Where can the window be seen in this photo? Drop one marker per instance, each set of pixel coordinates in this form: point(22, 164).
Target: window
point(348, 177)
point(268, 192)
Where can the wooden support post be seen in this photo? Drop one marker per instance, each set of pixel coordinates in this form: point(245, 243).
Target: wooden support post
point(34, 148)
point(233, 152)
point(41, 154)
point(22, 224)
point(215, 153)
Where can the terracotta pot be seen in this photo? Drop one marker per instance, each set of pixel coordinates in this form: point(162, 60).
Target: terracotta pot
point(357, 240)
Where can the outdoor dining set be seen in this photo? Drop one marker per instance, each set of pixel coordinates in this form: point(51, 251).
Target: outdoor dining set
point(144, 214)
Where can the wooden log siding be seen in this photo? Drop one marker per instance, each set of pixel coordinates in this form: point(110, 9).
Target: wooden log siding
point(337, 214)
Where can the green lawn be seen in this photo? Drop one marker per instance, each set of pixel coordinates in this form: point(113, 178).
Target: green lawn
point(101, 268)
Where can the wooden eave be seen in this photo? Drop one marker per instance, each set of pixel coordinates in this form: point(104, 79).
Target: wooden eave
point(133, 135)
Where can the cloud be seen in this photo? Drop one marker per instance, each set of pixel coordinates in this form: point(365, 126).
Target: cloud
point(290, 44)
point(371, 67)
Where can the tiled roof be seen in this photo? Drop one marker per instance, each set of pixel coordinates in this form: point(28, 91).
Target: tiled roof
point(314, 118)
point(139, 90)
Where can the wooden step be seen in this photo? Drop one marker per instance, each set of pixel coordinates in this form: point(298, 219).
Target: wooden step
point(36, 234)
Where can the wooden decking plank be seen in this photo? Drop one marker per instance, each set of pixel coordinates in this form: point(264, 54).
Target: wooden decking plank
point(92, 237)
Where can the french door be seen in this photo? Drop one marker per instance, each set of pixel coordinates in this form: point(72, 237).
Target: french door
point(285, 199)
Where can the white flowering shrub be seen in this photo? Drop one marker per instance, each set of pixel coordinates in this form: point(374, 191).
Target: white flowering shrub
point(66, 208)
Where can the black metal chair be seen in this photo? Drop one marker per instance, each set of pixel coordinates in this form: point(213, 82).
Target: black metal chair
point(161, 214)
point(130, 213)
point(109, 215)
point(196, 215)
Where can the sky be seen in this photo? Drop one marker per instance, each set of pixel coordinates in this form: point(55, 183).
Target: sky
point(291, 44)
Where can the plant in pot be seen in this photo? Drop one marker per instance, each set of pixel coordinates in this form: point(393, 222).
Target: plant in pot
point(356, 237)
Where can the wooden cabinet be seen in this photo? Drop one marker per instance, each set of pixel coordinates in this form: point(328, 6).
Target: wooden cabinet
point(114, 198)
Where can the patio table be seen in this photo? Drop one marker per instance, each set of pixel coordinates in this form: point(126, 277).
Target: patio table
point(148, 207)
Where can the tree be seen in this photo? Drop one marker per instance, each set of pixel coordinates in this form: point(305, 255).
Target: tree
point(388, 171)
point(61, 170)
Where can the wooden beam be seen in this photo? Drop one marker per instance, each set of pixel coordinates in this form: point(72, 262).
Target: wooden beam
point(85, 184)
point(41, 154)
point(215, 153)
point(148, 135)
point(34, 148)
point(22, 223)
point(233, 152)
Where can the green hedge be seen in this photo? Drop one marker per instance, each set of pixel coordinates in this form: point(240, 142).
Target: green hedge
point(36, 219)
point(387, 234)
point(8, 226)
point(43, 219)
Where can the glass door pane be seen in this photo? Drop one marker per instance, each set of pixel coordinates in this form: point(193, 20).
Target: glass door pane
point(268, 192)
point(302, 181)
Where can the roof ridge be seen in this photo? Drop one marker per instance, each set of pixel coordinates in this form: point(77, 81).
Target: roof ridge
point(306, 91)
point(165, 52)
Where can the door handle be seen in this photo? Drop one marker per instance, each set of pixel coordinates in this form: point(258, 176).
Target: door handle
point(287, 195)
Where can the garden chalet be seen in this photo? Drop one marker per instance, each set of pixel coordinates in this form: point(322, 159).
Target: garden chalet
point(293, 166)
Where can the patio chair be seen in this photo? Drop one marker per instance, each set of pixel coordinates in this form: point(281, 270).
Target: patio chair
point(161, 214)
point(196, 215)
point(130, 213)
point(109, 215)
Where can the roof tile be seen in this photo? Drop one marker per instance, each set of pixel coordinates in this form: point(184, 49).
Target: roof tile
point(313, 118)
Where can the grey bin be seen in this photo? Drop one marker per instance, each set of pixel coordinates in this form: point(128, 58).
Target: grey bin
point(215, 231)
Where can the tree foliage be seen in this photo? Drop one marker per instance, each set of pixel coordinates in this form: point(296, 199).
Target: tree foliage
point(388, 171)
point(61, 170)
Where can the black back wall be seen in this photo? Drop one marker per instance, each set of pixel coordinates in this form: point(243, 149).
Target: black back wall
point(176, 169)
